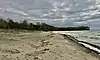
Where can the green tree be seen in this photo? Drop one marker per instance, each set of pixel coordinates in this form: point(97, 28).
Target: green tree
point(11, 24)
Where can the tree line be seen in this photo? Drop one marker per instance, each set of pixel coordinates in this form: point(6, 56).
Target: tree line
point(10, 24)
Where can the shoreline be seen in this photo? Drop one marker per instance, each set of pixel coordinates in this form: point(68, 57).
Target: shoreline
point(39, 45)
point(87, 45)
point(82, 44)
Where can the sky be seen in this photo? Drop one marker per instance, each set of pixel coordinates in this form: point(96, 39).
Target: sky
point(60, 13)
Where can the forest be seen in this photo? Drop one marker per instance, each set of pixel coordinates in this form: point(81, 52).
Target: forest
point(10, 24)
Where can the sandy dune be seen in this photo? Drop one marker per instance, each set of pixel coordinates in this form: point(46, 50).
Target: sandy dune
point(26, 45)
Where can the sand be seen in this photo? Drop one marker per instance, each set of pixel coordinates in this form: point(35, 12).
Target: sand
point(36, 45)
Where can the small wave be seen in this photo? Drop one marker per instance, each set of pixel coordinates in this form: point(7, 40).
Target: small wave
point(85, 36)
point(93, 37)
point(97, 38)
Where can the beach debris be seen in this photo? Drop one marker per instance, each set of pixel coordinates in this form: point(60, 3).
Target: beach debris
point(38, 58)
point(13, 51)
point(29, 54)
point(34, 46)
point(42, 51)
point(44, 43)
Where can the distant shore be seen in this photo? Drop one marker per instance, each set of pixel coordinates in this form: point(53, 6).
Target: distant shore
point(11, 24)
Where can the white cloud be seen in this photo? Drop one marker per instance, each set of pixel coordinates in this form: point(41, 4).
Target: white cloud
point(62, 4)
point(15, 11)
point(80, 23)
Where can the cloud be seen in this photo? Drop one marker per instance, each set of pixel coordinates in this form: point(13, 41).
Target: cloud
point(16, 11)
point(80, 23)
point(54, 12)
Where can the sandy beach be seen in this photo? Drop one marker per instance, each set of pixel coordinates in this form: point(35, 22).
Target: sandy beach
point(36, 45)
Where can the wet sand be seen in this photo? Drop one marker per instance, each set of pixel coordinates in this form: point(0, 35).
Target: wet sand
point(28, 45)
